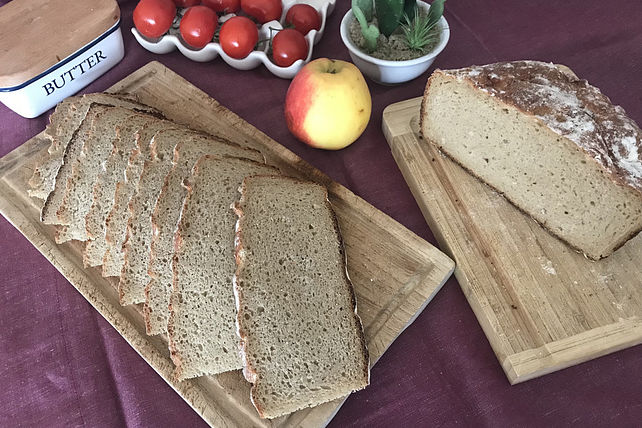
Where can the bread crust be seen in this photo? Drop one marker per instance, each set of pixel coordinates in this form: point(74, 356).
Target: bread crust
point(344, 261)
point(249, 372)
point(178, 245)
point(614, 178)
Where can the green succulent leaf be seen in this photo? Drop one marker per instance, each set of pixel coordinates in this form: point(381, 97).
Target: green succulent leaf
point(369, 31)
point(366, 6)
point(419, 31)
point(409, 7)
point(435, 12)
point(389, 13)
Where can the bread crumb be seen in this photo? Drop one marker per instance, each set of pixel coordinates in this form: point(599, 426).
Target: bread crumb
point(548, 267)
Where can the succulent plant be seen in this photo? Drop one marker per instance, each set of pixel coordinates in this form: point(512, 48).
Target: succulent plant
point(390, 15)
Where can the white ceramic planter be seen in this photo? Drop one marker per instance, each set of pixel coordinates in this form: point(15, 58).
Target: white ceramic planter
point(70, 75)
point(392, 72)
point(211, 51)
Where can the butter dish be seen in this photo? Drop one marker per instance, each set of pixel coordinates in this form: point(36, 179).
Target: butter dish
point(51, 49)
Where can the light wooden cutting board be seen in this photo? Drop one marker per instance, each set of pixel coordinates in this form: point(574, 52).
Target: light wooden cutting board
point(542, 306)
point(395, 273)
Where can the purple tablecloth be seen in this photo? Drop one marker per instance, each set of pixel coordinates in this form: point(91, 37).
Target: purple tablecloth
point(61, 364)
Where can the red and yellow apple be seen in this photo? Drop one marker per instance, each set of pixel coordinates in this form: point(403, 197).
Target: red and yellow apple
point(328, 104)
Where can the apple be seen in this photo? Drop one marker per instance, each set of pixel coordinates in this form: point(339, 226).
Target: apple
point(328, 104)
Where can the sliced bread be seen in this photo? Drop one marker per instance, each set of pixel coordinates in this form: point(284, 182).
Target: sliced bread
point(87, 169)
point(117, 220)
point(135, 248)
point(104, 190)
point(157, 285)
point(48, 213)
point(201, 331)
point(302, 342)
point(65, 119)
point(70, 112)
point(552, 144)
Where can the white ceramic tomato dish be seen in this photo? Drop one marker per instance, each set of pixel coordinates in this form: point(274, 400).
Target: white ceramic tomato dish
point(211, 51)
point(67, 46)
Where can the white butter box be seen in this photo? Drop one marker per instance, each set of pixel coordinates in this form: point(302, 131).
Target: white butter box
point(51, 49)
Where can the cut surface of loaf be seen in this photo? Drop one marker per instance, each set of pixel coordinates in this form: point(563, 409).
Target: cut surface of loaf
point(201, 329)
point(554, 145)
point(302, 341)
point(86, 170)
point(65, 119)
point(104, 190)
point(158, 283)
point(117, 220)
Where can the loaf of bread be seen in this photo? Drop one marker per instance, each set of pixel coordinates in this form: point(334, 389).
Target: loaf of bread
point(552, 144)
point(302, 341)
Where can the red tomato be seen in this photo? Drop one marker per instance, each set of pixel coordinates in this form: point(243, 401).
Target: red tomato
point(303, 18)
point(186, 3)
point(198, 26)
point(263, 10)
point(238, 36)
point(153, 18)
point(223, 6)
point(288, 46)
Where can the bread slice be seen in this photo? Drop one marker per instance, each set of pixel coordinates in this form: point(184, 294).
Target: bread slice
point(302, 341)
point(70, 112)
point(151, 148)
point(554, 145)
point(58, 137)
point(87, 169)
point(134, 276)
point(135, 248)
point(202, 336)
point(65, 119)
point(158, 284)
point(104, 190)
point(85, 132)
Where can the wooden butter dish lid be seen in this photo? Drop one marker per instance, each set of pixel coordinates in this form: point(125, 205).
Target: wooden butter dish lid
point(36, 35)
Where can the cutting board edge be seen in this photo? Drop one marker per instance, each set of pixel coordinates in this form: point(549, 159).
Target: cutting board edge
point(529, 364)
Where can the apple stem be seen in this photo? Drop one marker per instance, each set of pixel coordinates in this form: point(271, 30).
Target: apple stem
point(331, 69)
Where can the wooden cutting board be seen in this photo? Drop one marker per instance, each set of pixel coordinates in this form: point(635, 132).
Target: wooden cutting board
point(542, 306)
point(395, 273)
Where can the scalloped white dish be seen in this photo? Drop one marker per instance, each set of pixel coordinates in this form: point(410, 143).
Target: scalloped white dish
point(211, 51)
